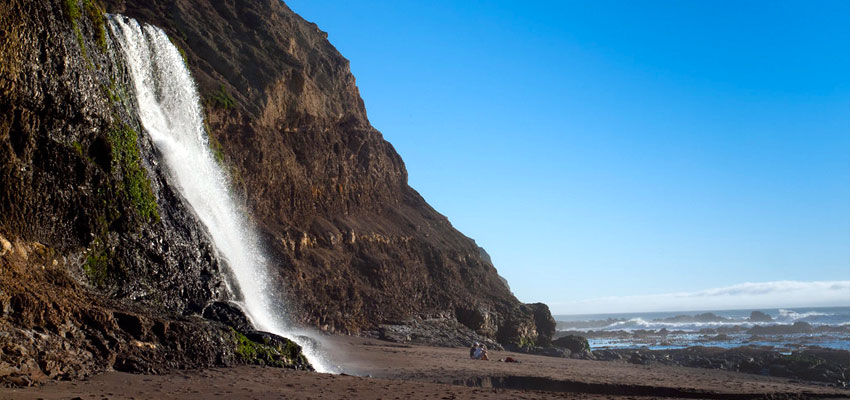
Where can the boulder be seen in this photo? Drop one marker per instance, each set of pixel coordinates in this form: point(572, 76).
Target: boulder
point(230, 314)
point(575, 344)
point(758, 316)
point(527, 325)
point(797, 327)
point(264, 348)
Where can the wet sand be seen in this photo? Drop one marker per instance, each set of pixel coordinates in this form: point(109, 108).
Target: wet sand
point(393, 371)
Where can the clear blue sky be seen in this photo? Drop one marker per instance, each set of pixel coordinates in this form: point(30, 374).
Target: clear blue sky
point(618, 148)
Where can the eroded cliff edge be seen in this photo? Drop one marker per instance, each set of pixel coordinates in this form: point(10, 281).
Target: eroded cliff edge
point(355, 245)
point(106, 268)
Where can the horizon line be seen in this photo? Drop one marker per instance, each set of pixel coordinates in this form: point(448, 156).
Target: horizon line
point(707, 310)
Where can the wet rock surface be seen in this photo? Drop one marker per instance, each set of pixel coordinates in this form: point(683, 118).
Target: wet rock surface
point(78, 177)
point(797, 327)
point(815, 364)
point(758, 316)
point(102, 266)
point(52, 328)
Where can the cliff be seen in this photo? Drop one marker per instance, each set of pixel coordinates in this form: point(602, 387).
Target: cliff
point(355, 245)
point(102, 266)
point(352, 245)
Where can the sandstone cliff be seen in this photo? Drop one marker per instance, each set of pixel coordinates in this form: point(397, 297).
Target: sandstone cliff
point(354, 247)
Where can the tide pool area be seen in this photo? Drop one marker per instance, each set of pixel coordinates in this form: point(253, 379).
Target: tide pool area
point(782, 329)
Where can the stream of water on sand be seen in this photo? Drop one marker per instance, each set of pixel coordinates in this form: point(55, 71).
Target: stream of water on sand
point(170, 111)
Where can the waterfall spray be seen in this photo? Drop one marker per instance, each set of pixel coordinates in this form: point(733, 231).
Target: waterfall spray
point(170, 112)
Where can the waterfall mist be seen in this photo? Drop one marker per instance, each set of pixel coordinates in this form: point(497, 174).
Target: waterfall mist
point(170, 111)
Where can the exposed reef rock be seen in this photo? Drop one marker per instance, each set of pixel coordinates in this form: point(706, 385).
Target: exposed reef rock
point(811, 364)
point(355, 247)
point(758, 316)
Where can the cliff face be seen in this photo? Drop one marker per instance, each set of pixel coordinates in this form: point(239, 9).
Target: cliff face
point(101, 264)
point(355, 245)
point(105, 259)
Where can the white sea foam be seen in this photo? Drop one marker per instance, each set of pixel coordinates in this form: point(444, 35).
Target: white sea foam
point(794, 316)
point(170, 112)
point(691, 322)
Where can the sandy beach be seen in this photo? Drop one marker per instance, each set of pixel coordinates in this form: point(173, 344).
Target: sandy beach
point(383, 370)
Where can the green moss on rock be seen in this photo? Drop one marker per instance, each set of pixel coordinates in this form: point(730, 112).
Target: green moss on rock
point(97, 263)
point(72, 10)
point(98, 20)
point(136, 186)
point(284, 354)
point(222, 99)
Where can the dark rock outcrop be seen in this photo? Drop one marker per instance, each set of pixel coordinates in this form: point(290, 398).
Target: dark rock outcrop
point(758, 316)
point(797, 327)
point(229, 314)
point(575, 344)
point(55, 329)
point(434, 331)
point(570, 346)
point(813, 364)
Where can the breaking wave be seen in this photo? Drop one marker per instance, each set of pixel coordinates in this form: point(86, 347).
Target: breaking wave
point(714, 320)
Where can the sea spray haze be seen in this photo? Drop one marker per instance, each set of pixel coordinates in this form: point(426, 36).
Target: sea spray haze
point(170, 112)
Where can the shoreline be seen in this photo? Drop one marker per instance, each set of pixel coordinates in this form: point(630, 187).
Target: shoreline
point(378, 369)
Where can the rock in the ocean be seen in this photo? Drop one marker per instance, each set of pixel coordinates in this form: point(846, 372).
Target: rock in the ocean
point(797, 327)
point(758, 316)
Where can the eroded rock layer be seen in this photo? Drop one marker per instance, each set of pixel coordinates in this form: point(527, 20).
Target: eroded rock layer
point(106, 267)
point(354, 245)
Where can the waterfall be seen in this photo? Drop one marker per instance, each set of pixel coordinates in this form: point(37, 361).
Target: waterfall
point(170, 112)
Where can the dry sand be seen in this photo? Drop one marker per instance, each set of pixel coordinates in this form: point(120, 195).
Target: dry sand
point(393, 371)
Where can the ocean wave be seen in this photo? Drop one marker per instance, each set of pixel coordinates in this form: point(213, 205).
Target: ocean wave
point(690, 326)
point(794, 316)
point(834, 316)
point(640, 323)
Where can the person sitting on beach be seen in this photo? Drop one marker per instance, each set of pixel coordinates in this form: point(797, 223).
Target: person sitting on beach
point(472, 350)
point(476, 354)
point(483, 355)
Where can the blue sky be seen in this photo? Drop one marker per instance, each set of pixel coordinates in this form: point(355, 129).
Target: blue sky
point(619, 149)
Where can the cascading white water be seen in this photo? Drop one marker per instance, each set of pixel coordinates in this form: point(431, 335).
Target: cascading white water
point(170, 112)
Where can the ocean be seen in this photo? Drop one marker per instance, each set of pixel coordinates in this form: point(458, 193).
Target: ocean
point(788, 328)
